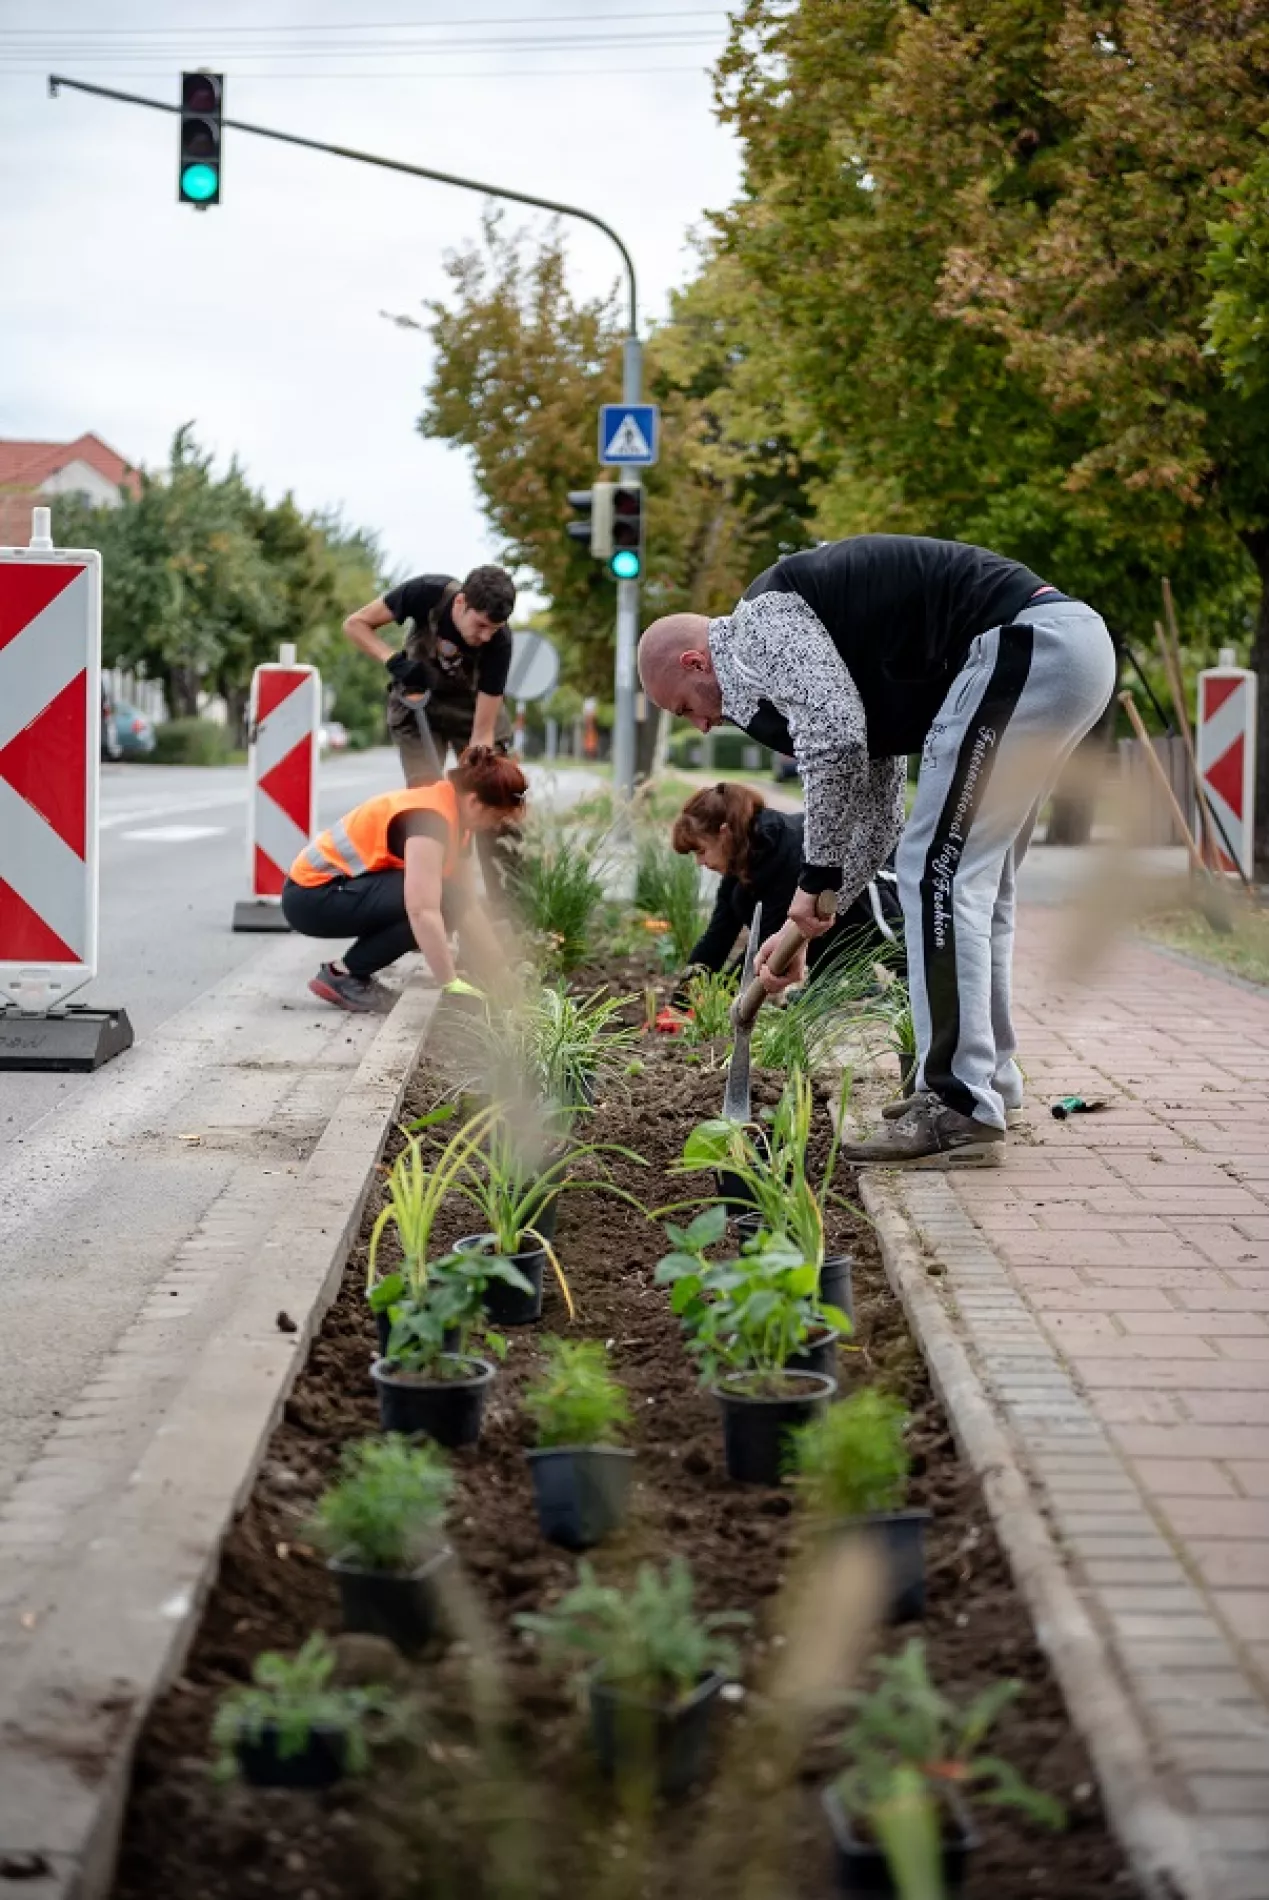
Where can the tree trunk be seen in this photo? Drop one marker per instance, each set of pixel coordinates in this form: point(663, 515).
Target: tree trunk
point(180, 689)
point(1257, 545)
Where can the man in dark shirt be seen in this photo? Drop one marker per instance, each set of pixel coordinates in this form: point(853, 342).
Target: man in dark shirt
point(851, 656)
point(448, 679)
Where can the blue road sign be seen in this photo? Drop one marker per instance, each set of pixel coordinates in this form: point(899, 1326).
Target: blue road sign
point(628, 434)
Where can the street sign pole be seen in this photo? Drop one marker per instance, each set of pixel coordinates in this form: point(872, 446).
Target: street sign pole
point(623, 732)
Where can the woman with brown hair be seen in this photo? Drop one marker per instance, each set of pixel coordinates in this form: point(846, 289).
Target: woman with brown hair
point(729, 828)
point(395, 874)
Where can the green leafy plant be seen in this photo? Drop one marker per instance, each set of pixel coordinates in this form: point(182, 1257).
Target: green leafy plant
point(294, 1695)
point(744, 1317)
point(906, 1724)
point(557, 878)
point(575, 1400)
point(854, 1458)
point(769, 1168)
point(416, 1190)
point(799, 1036)
point(903, 1030)
point(554, 1046)
point(386, 1509)
point(668, 887)
point(710, 995)
point(432, 1332)
point(648, 1641)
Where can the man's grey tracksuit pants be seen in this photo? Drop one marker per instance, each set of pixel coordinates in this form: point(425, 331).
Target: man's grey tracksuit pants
point(1025, 697)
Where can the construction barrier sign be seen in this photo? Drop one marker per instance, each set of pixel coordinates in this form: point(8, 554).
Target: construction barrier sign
point(1225, 744)
point(50, 762)
point(286, 713)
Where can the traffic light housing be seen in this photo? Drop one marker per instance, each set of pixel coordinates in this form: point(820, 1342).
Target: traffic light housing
point(594, 506)
point(626, 562)
point(202, 110)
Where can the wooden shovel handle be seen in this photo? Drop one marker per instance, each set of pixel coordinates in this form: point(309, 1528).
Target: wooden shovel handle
point(1129, 705)
point(789, 941)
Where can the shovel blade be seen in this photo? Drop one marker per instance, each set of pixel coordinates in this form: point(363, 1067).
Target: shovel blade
point(736, 1095)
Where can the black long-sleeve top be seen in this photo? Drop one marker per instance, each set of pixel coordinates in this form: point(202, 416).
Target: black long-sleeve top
point(775, 858)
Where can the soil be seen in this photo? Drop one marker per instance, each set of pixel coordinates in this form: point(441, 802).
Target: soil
point(502, 1799)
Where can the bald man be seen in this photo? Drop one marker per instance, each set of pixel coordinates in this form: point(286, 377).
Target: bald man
point(851, 656)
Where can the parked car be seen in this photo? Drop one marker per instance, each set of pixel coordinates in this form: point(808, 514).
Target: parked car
point(134, 733)
point(110, 746)
point(333, 737)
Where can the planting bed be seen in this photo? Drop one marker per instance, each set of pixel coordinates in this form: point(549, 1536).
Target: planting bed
point(541, 1823)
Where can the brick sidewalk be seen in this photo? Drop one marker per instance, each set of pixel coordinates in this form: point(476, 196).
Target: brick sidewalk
point(1113, 1280)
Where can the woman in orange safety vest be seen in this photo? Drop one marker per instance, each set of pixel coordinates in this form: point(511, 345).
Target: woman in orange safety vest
point(394, 875)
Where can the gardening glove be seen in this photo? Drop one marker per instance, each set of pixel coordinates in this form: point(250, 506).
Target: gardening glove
point(412, 676)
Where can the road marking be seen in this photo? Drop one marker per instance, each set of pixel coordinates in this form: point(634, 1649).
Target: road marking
point(176, 834)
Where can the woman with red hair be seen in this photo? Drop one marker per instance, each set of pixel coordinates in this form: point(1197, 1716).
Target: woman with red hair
point(730, 829)
point(396, 875)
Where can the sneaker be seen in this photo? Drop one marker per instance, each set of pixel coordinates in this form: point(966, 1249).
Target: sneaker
point(928, 1135)
point(899, 1105)
point(360, 994)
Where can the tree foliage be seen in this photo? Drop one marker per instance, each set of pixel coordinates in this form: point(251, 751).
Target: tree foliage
point(204, 578)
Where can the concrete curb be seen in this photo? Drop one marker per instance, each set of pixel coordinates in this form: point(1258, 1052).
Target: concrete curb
point(119, 1631)
point(1155, 1834)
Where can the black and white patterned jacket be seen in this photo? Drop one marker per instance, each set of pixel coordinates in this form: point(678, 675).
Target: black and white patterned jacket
point(776, 648)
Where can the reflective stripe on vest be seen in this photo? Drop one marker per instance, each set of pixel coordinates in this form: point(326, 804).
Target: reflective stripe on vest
point(338, 853)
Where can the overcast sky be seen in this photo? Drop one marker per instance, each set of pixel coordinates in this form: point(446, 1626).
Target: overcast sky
point(126, 313)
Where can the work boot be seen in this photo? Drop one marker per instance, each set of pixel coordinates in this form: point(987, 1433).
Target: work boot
point(900, 1104)
point(361, 994)
point(928, 1135)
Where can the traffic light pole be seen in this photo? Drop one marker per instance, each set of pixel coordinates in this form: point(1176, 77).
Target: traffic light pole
point(632, 364)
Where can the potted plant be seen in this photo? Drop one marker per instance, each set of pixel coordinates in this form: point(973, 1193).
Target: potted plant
point(762, 1170)
point(745, 1318)
point(430, 1380)
point(898, 1810)
point(653, 1666)
point(581, 1475)
point(852, 1467)
point(506, 1184)
point(416, 1189)
point(381, 1526)
point(292, 1727)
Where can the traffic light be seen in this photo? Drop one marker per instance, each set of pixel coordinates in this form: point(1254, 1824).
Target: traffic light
point(594, 505)
point(202, 107)
point(627, 534)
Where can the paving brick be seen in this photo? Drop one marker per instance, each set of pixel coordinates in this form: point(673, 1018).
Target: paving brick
point(1226, 1408)
point(1183, 1478)
point(1232, 1565)
point(1204, 1324)
point(1252, 1474)
point(1247, 1613)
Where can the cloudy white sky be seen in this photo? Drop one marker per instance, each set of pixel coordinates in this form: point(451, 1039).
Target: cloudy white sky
point(126, 313)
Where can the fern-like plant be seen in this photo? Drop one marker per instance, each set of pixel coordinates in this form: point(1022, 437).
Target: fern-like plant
point(386, 1509)
point(290, 1697)
point(853, 1459)
point(649, 1641)
point(575, 1400)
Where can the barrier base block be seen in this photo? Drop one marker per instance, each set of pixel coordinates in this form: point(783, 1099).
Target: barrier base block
point(76, 1038)
point(257, 913)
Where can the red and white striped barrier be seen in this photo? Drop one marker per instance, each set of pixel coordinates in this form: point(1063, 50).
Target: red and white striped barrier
point(50, 765)
point(1225, 742)
point(285, 728)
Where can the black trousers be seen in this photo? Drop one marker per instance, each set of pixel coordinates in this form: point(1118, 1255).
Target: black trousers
point(370, 908)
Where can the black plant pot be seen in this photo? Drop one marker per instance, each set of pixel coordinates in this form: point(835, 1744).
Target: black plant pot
point(861, 1866)
point(319, 1764)
point(900, 1536)
point(667, 1744)
point(734, 1192)
point(907, 1072)
point(404, 1606)
point(507, 1305)
point(836, 1288)
point(447, 1410)
point(756, 1430)
point(819, 1354)
point(581, 1492)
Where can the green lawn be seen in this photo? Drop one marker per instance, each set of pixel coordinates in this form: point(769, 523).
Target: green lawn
point(1245, 952)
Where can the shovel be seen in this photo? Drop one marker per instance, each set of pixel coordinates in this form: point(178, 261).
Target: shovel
point(753, 995)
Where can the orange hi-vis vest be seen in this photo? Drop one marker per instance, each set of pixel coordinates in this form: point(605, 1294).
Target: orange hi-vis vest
point(358, 844)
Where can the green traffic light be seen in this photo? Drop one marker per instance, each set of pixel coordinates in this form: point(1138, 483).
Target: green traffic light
point(199, 183)
point(625, 564)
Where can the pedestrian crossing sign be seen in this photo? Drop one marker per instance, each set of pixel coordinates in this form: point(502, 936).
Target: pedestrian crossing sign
point(628, 434)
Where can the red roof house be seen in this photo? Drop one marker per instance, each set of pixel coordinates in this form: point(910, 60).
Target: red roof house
point(30, 471)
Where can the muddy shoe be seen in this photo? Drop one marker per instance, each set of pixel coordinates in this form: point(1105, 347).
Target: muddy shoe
point(928, 1135)
point(898, 1105)
point(360, 994)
